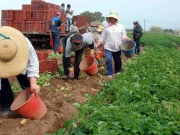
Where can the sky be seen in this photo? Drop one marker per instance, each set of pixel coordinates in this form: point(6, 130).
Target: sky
point(159, 13)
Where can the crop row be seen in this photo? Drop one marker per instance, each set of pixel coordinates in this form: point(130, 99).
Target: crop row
point(144, 99)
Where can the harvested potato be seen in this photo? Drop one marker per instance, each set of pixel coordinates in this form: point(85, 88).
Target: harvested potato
point(23, 122)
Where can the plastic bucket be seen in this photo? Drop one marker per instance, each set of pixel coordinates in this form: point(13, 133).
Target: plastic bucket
point(99, 55)
point(29, 105)
point(128, 48)
point(89, 66)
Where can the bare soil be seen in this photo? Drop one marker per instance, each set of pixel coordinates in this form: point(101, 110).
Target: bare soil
point(58, 98)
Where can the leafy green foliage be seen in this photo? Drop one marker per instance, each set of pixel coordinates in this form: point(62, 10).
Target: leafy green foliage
point(96, 16)
point(143, 100)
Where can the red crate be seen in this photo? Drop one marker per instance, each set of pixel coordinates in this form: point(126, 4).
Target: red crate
point(46, 6)
point(20, 25)
point(37, 15)
point(3, 15)
point(7, 23)
point(49, 65)
point(19, 15)
point(47, 26)
point(37, 26)
point(63, 28)
point(63, 17)
point(57, 8)
point(26, 6)
point(41, 55)
point(12, 79)
point(28, 26)
point(9, 15)
point(52, 6)
point(29, 15)
point(48, 15)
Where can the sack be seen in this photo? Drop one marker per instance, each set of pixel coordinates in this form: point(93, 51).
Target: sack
point(76, 38)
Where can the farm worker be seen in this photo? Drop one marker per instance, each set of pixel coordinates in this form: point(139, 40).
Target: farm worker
point(112, 37)
point(69, 16)
point(74, 27)
point(76, 43)
point(62, 9)
point(17, 58)
point(137, 33)
point(88, 27)
point(97, 38)
point(55, 30)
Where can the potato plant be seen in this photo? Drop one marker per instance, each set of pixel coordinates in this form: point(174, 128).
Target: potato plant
point(143, 100)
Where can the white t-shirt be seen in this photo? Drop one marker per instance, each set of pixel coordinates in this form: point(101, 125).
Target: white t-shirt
point(68, 14)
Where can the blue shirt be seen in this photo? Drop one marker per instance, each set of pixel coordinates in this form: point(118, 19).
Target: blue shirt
point(55, 22)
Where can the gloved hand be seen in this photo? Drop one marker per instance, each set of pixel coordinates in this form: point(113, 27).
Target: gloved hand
point(34, 86)
point(92, 54)
point(71, 72)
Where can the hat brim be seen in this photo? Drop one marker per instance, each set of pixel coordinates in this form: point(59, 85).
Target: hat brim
point(113, 16)
point(19, 62)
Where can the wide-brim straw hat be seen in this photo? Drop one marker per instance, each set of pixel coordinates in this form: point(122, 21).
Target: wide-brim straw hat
point(14, 52)
point(100, 28)
point(114, 14)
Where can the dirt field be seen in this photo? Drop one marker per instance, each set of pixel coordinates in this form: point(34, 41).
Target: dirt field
point(58, 98)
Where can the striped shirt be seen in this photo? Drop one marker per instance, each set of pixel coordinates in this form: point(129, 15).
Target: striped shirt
point(112, 37)
point(32, 69)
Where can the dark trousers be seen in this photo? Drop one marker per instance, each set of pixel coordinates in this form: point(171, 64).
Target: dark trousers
point(137, 48)
point(66, 61)
point(6, 94)
point(56, 39)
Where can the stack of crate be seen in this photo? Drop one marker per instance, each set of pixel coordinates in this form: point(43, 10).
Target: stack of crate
point(46, 64)
point(32, 18)
point(81, 21)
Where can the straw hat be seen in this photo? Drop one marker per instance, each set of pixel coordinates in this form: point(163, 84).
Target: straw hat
point(114, 14)
point(14, 52)
point(100, 28)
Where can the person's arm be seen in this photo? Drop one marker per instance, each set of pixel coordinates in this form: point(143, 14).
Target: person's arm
point(71, 12)
point(32, 69)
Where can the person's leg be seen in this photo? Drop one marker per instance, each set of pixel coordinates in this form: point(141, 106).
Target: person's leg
point(70, 22)
point(78, 58)
point(138, 45)
point(56, 44)
point(53, 38)
point(23, 81)
point(67, 25)
point(137, 48)
point(6, 95)
point(109, 68)
point(66, 70)
point(117, 61)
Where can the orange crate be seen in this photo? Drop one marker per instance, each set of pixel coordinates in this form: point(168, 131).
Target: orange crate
point(49, 65)
point(37, 26)
point(3, 15)
point(20, 25)
point(7, 23)
point(9, 15)
point(19, 15)
point(26, 6)
point(41, 55)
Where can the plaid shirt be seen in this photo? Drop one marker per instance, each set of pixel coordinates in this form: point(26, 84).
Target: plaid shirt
point(32, 69)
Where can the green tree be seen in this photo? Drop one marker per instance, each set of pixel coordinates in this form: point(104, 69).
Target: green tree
point(156, 29)
point(96, 16)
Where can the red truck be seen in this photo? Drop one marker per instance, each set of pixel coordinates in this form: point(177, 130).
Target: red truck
point(33, 20)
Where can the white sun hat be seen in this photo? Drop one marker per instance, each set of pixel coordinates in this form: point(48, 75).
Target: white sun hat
point(114, 14)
